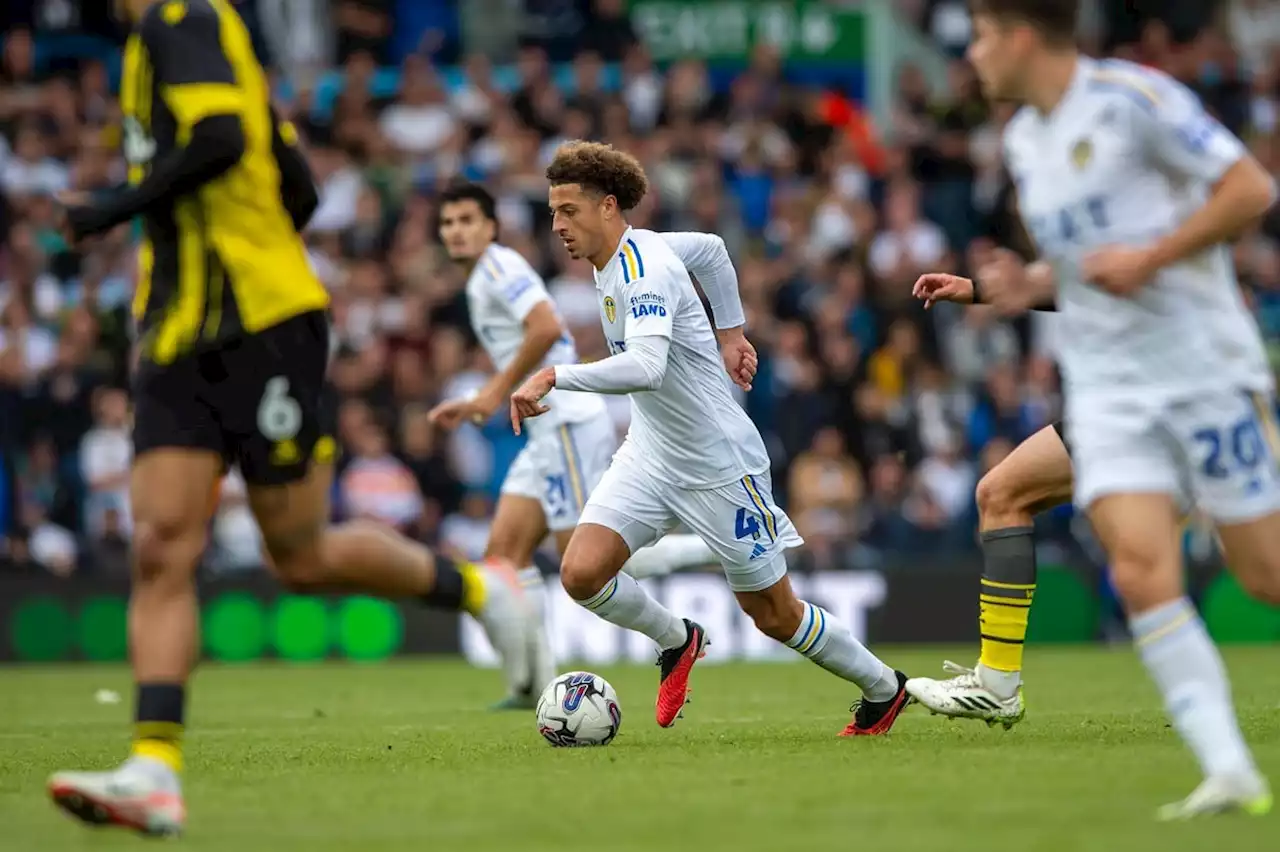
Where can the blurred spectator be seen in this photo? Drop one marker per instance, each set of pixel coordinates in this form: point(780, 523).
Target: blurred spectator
point(825, 488)
point(237, 543)
point(51, 547)
point(465, 533)
point(106, 454)
point(377, 486)
point(828, 216)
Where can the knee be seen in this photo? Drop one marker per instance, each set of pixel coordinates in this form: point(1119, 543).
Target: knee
point(774, 616)
point(581, 575)
point(165, 547)
point(998, 496)
point(1144, 577)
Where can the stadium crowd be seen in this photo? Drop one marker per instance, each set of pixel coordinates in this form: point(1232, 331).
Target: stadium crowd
point(881, 417)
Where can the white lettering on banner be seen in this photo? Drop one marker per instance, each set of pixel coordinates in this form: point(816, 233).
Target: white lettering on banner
point(576, 634)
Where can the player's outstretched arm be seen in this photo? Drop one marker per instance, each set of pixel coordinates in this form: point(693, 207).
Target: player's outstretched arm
point(1006, 283)
point(641, 367)
point(196, 81)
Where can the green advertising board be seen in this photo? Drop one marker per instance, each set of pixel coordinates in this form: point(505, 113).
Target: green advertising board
point(805, 30)
point(47, 620)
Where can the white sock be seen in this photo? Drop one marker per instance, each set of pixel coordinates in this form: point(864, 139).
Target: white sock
point(158, 773)
point(667, 554)
point(531, 581)
point(542, 659)
point(1003, 684)
point(625, 603)
point(829, 643)
point(1182, 660)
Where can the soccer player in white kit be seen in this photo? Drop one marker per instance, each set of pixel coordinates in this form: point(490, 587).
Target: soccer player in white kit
point(568, 451)
point(1130, 191)
point(691, 456)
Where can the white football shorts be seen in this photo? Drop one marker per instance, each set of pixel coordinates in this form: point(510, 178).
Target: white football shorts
point(1220, 449)
point(560, 467)
point(739, 522)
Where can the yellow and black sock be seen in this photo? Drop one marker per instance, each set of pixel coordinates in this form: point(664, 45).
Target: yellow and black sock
point(459, 586)
point(1008, 585)
point(158, 723)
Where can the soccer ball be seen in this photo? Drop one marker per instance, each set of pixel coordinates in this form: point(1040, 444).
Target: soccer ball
point(579, 709)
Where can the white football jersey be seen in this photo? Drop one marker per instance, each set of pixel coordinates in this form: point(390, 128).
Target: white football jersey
point(1125, 158)
point(501, 291)
point(690, 431)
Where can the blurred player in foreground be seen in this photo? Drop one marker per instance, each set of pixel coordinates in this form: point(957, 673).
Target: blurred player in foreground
point(1130, 192)
point(234, 344)
point(570, 447)
point(691, 455)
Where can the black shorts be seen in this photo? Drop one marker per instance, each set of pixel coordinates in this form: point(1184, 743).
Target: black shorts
point(261, 402)
point(1061, 429)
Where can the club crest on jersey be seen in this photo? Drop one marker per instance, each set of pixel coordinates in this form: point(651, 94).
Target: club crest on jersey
point(610, 309)
point(1081, 153)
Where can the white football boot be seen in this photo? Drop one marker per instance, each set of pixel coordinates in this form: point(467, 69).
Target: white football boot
point(965, 696)
point(142, 795)
point(1220, 794)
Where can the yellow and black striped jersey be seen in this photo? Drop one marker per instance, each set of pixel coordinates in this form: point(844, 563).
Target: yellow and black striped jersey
point(224, 258)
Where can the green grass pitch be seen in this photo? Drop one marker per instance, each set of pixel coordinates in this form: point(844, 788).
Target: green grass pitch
point(404, 756)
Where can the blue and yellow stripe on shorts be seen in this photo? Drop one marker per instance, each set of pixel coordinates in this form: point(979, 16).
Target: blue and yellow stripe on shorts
point(757, 499)
point(632, 262)
point(573, 467)
point(1264, 408)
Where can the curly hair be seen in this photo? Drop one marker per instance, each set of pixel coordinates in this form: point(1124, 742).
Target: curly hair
point(600, 168)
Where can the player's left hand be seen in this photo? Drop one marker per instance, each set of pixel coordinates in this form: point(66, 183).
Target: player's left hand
point(526, 402)
point(740, 358)
point(1120, 270)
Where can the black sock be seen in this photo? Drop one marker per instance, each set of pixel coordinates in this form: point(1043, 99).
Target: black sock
point(450, 587)
point(158, 722)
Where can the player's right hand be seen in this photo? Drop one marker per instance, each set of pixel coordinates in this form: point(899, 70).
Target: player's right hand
point(740, 358)
point(940, 287)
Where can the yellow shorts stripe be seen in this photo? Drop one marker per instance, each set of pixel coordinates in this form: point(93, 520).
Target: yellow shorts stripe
point(766, 516)
point(571, 465)
point(1263, 407)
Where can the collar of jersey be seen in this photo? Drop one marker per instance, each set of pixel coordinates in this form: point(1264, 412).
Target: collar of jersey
point(1084, 70)
point(617, 254)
